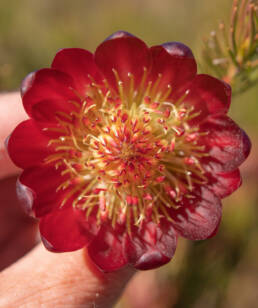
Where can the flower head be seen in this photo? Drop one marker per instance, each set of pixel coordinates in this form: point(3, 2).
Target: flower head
point(124, 150)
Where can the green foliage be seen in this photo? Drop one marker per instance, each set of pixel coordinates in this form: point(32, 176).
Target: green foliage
point(231, 53)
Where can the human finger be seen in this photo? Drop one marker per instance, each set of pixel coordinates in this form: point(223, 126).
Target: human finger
point(11, 113)
point(44, 279)
point(18, 231)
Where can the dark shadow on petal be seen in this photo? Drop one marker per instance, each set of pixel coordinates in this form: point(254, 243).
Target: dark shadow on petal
point(106, 250)
point(151, 245)
point(198, 217)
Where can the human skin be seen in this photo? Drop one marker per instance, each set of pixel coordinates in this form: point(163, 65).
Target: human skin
point(42, 278)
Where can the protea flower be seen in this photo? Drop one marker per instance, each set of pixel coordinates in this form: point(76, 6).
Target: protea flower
point(125, 150)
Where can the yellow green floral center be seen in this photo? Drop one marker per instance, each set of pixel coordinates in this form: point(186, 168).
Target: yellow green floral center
point(130, 155)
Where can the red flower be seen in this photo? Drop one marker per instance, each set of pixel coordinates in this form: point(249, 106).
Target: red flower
point(126, 149)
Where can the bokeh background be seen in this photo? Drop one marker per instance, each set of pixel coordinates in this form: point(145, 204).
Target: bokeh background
point(220, 272)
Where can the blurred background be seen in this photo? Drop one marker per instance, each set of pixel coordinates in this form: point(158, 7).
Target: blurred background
point(222, 271)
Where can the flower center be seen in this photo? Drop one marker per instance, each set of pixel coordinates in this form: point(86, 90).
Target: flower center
point(127, 151)
point(128, 157)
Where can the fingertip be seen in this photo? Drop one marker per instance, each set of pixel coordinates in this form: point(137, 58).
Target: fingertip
point(11, 113)
point(7, 167)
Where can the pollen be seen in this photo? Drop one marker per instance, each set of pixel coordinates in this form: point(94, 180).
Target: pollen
point(128, 155)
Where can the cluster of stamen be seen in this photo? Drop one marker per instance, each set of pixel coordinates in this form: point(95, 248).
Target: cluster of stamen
point(129, 156)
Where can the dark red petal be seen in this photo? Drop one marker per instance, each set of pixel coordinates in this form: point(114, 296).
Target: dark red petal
point(60, 231)
point(208, 95)
point(227, 144)
point(27, 146)
point(26, 197)
point(197, 218)
point(176, 64)
point(125, 54)
point(51, 130)
point(224, 184)
point(80, 65)
point(214, 232)
point(37, 186)
point(47, 111)
point(50, 86)
point(151, 246)
point(106, 250)
point(88, 224)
